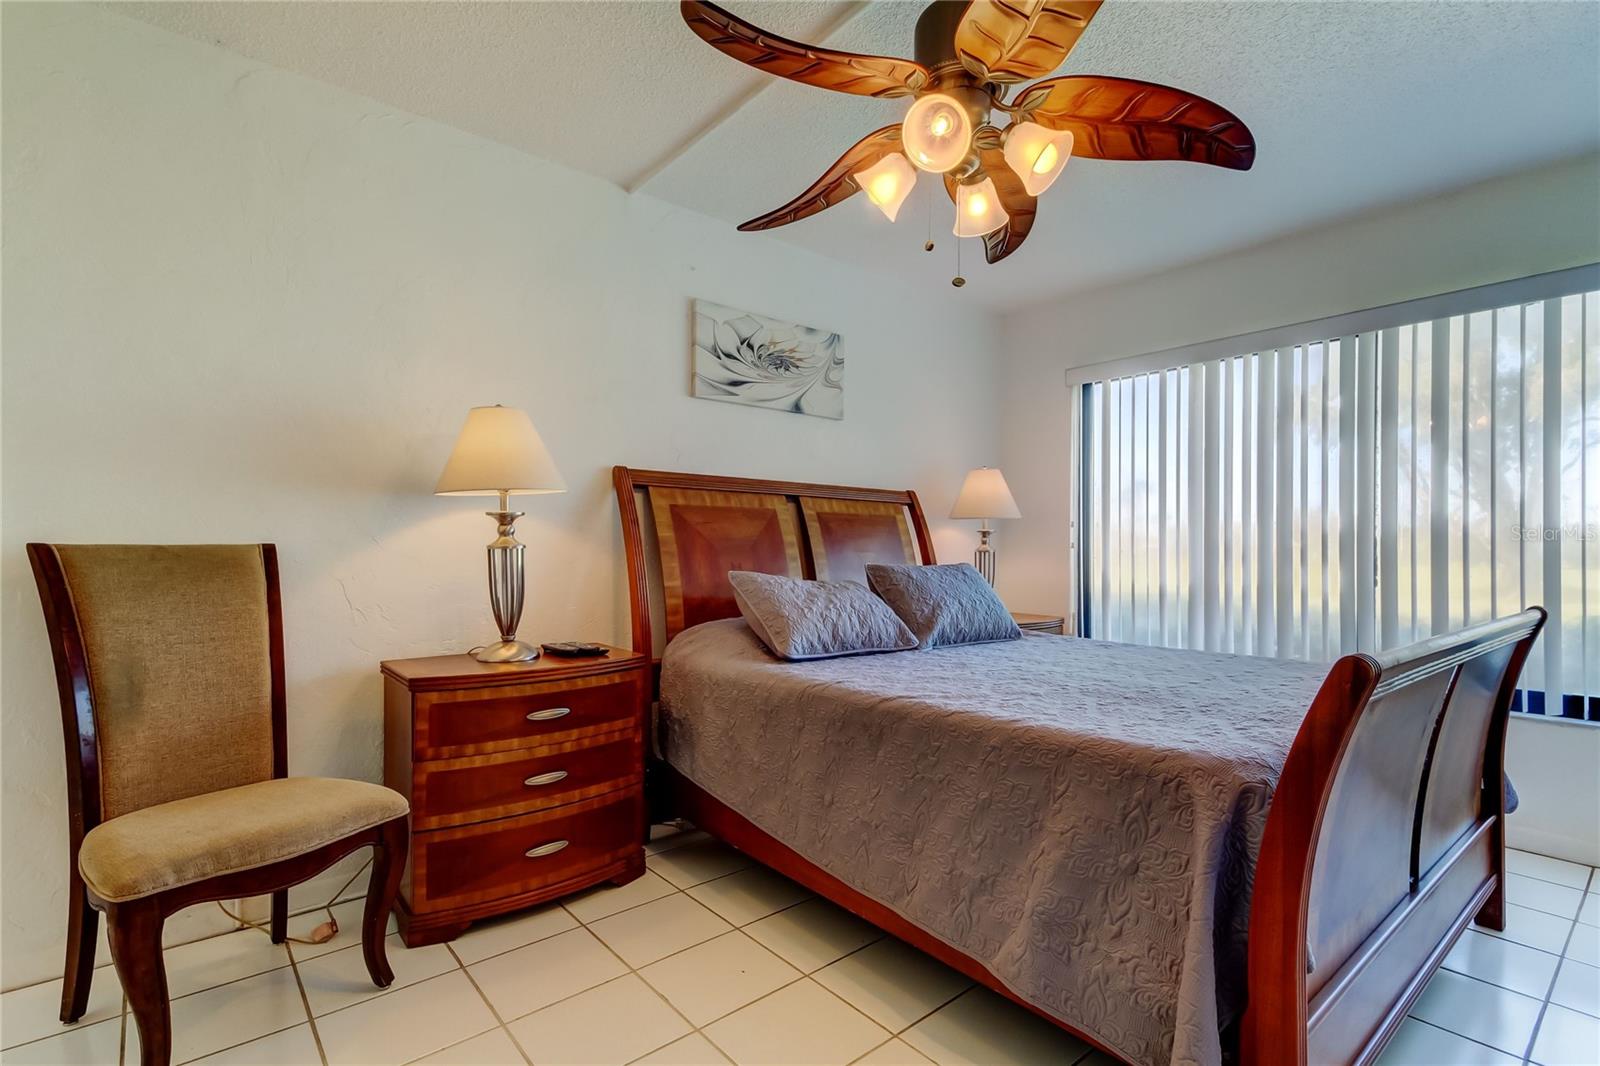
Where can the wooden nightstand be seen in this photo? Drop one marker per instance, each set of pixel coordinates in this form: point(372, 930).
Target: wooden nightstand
point(1040, 623)
point(525, 781)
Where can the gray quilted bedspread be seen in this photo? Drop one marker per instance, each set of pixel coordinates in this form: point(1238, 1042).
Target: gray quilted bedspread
point(1082, 817)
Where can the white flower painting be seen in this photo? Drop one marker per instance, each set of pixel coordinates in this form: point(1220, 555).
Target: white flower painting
point(757, 361)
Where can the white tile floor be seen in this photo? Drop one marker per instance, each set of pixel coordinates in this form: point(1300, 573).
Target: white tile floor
point(710, 959)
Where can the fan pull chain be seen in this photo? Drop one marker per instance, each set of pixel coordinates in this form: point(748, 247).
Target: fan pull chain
point(927, 198)
point(958, 280)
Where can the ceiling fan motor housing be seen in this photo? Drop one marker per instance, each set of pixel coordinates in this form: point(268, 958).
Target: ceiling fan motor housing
point(935, 39)
point(935, 48)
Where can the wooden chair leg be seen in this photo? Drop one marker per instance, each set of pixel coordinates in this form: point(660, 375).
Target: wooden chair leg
point(280, 916)
point(135, 930)
point(388, 863)
point(83, 930)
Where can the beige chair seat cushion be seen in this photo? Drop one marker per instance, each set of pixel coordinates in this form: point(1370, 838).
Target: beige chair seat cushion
point(178, 843)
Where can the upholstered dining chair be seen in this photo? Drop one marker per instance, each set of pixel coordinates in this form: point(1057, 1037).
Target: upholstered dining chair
point(169, 662)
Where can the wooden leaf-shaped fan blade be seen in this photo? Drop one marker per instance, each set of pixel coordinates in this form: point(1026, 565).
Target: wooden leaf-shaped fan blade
point(997, 244)
point(836, 185)
point(843, 72)
point(1008, 41)
point(1117, 118)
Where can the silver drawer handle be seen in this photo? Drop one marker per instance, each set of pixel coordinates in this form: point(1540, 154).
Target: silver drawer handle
point(545, 779)
point(546, 715)
point(545, 849)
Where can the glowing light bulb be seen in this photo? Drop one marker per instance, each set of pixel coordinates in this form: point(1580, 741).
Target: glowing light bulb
point(978, 209)
point(937, 132)
point(887, 183)
point(1037, 155)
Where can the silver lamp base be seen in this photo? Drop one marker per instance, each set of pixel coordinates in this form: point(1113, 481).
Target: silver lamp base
point(505, 591)
point(983, 558)
point(506, 651)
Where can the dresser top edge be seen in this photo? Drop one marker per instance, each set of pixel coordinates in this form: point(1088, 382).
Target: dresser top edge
point(463, 671)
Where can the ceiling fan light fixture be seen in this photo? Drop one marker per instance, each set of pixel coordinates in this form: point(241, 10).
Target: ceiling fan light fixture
point(887, 183)
point(1037, 154)
point(978, 209)
point(937, 132)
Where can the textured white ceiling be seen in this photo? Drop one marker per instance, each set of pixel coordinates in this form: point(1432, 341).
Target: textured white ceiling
point(610, 87)
point(1354, 105)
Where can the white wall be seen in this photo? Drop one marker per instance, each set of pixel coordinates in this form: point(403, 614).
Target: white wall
point(242, 305)
point(1530, 223)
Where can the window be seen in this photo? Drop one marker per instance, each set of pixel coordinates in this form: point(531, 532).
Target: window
point(1354, 489)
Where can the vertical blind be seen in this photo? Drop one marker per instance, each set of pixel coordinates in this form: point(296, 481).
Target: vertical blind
point(1357, 492)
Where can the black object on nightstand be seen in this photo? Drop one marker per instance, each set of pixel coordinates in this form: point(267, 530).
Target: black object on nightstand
point(574, 649)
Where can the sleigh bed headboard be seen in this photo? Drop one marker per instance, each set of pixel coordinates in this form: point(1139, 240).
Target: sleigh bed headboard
point(684, 532)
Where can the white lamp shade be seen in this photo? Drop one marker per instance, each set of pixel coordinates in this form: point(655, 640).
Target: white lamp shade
point(1037, 154)
point(887, 183)
point(978, 209)
point(985, 495)
point(937, 133)
point(497, 451)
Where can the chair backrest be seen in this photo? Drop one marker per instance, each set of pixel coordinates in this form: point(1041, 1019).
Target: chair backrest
point(169, 661)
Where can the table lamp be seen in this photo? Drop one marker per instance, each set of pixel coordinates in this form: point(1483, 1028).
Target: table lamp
point(498, 453)
point(984, 495)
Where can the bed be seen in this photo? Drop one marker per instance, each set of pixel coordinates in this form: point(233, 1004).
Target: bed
point(1178, 856)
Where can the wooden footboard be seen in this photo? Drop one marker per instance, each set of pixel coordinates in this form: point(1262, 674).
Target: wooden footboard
point(1386, 834)
point(1385, 839)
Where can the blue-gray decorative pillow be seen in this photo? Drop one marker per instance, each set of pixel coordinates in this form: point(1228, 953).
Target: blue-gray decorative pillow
point(801, 620)
point(943, 605)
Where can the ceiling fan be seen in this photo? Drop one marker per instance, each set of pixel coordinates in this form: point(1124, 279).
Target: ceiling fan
point(968, 55)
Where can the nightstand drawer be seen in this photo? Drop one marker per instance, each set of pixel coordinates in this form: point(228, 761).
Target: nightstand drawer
point(477, 721)
point(480, 787)
point(525, 855)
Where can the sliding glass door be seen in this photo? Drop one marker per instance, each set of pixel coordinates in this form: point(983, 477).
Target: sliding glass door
point(1357, 492)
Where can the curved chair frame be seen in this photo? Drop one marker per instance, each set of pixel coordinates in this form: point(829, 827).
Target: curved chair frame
point(134, 926)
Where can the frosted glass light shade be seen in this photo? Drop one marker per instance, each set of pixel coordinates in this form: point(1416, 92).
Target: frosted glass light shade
point(937, 133)
point(1037, 154)
point(498, 450)
point(978, 209)
point(985, 495)
point(887, 183)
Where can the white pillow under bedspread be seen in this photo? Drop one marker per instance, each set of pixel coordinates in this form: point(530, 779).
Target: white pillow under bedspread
point(1082, 817)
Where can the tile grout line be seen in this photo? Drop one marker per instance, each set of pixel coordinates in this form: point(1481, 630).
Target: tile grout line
point(292, 964)
point(1459, 1036)
point(700, 1029)
point(1544, 1006)
point(675, 891)
point(894, 1033)
point(493, 1011)
point(1552, 914)
point(305, 1001)
point(693, 1028)
point(182, 944)
point(1546, 880)
point(240, 1044)
point(658, 851)
point(76, 1027)
point(876, 1047)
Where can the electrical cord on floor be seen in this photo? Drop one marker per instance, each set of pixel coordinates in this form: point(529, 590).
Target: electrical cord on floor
point(322, 933)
